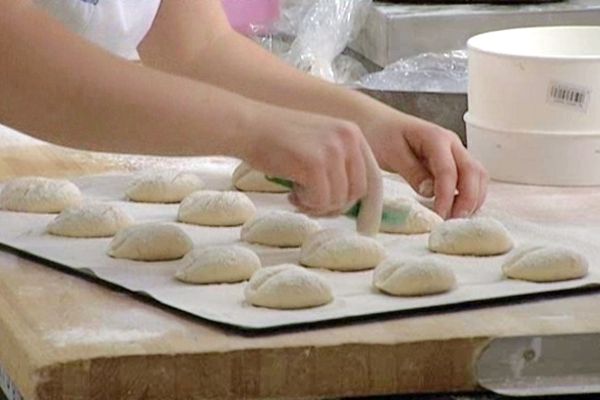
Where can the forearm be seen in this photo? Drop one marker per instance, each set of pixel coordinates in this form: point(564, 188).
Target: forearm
point(237, 64)
point(64, 90)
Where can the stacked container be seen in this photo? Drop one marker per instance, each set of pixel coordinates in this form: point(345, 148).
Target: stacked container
point(534, 104)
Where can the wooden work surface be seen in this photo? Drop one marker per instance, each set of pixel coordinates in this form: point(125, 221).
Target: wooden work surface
point(63, 337)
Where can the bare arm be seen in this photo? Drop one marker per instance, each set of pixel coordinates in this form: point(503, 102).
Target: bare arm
point(193, 38)
point(64, 90)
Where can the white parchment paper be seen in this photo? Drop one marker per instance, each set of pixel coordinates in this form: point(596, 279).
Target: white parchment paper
point(478, 278)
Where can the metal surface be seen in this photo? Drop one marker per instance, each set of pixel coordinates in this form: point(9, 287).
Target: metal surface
point(394, 31)
point(541, 365)
point(444, 109)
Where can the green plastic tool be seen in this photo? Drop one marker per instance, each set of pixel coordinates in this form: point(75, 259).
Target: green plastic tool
point(389, 216)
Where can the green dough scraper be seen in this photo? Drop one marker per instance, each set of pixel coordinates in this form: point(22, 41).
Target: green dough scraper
point(389, 215)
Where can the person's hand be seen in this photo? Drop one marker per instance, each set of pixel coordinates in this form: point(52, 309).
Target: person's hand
point(432, 160)
point(327, 158)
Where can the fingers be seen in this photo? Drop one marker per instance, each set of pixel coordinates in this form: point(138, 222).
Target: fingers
point(484, 181)
point(472, 183)
point(337, 180)
point(453, 170)
point(412, 169)
point(313, 194)
point(445, 174)
point(357, 178)
point(337, 177)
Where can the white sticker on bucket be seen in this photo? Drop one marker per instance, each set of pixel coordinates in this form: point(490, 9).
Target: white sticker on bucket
point(569, 95)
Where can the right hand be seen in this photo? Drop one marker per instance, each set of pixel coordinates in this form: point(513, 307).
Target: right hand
point(325, 157)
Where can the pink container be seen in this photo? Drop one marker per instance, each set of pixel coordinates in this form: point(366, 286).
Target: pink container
point(251, 16)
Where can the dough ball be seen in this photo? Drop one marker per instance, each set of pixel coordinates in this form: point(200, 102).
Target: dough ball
point(413, 277)
point(150, 242)
point(341, 250)
point(90, 220)
point(279, 229)
point(39, 195)
point(470, 237)
point(250, 180)
point(407, 216)
point(213, 208)
point(218, 264)
point(163, 187)
point(287, 286)
point(546, 264)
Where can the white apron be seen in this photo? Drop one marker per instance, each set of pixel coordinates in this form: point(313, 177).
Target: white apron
point(116, 25)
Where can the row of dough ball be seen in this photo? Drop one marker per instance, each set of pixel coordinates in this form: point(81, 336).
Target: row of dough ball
point(45, 195)
point(480, 236)
point(290, 286)
point(330, 249)
point(401, 215)
point(172, 187)
point(399, 277)
point(201, 207)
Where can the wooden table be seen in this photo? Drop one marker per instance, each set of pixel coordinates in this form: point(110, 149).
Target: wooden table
point(62, 337)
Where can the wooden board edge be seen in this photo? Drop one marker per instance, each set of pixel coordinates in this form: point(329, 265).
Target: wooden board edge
point(302, 372)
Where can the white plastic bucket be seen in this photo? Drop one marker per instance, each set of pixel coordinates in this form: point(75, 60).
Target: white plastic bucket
point(538, 158)
point(536, 79)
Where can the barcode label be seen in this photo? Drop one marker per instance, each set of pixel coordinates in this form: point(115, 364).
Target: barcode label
point(569, 95)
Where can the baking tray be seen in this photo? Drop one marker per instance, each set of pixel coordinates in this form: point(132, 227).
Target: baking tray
point(479, 279)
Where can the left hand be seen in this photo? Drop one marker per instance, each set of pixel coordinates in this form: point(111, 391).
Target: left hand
point(432, 160)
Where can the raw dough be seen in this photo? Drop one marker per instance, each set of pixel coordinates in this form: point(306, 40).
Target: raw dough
point(287, 286)
point(279, 229)
point(150, 242)
point(413, 276)
point(90, 220)
point(336, 249)
point(250, 180)
point(213, 208)
point(475, 237)
point(407, 216)
point(39, 195)
point(219, 264)
point(163, 187)
point(546, 264)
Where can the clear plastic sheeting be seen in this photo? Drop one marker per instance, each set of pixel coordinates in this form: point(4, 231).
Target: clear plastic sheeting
point(429, 72)
point(323, 34)
point(312, 34)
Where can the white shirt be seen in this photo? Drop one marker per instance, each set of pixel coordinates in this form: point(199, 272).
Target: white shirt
point(116, 25)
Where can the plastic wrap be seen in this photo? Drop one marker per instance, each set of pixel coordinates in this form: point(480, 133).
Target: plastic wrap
point(429, 72)
point(312, 34)
point(323, 34)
